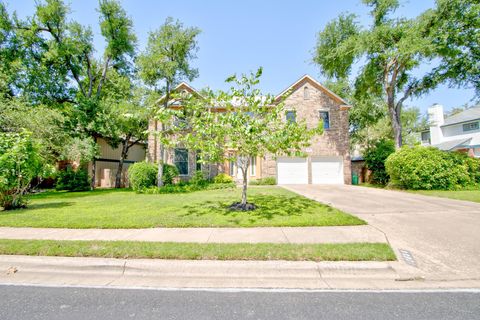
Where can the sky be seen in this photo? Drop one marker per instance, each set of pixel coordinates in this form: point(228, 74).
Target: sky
point(239, 36)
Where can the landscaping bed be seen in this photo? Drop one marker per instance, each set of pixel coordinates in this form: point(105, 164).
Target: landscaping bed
point(113, 209)
point(200, 251)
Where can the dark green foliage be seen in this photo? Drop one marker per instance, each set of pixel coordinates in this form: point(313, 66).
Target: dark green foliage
point(222, 178)
point(20, 162)
point(186, 187)
point(199, 179)
point(268, 181)
point(73, 180)
point(170, 172)
point(429, 168)
point(375, 157)
point(142, 175)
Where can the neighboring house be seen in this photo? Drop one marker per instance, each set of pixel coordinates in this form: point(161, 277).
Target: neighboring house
point(328, 160)
point(107, 163)
point(459, 132)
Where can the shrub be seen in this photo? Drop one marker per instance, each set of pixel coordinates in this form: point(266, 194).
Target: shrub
point(73, 180)
point(19, 164)
point(430, 168)
point(199, 179)
point(170, 172)
point(375, 157)
point(222, 178)
point(142, 175)
point(268, 181)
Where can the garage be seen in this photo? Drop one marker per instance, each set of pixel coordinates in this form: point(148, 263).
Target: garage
point(327, 170)
point(292, 170)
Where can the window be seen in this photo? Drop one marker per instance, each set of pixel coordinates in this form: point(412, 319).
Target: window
point(324, 115)
point(253, 166)
point(306, 93)
point(181, 161)
point(426, 136)
point(470, 126)
point(291, 116)
point(199, 164)
point(232, 168)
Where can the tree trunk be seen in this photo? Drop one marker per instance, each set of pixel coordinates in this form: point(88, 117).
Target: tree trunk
point(162, 149)
point(94, 168)
point(244, 161)
point(123, 156)
point(160, 166)
point(395, 119)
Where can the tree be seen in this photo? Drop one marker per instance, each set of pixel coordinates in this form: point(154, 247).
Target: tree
point(166, 61)
point(19, 164)
point(454, 28)
point(129, 117)
point(59, 65)
point(242, 123)
point(392, 48)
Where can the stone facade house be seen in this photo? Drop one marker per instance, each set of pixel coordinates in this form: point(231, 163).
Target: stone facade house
point(328, 156)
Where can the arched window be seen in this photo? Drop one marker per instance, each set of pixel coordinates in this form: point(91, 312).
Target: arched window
point(306, 93)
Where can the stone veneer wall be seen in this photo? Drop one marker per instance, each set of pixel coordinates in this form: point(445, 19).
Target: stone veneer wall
point(333, 142)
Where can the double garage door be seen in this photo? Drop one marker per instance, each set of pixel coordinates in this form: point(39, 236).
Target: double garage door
point(324, 170)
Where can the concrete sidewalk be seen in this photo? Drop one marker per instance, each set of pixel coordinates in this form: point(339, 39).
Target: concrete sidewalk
point(346, 234)
point(153, 273)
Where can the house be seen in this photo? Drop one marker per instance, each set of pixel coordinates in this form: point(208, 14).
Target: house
point(106, 164)
point(460, 132)
point(328, 157)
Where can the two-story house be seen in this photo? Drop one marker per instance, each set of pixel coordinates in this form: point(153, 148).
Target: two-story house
point(328, 156)
point(459, 132)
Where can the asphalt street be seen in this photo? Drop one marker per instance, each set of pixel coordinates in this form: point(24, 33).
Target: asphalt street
point(29, 302)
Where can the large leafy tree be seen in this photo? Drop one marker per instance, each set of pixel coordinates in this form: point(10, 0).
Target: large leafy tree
point(165, 62)
point(241, 123)
point(454, 29)
point(390, 51)
point(58, 63)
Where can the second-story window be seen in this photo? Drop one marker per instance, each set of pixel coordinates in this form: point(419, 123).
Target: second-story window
point(470, 126)
point(291, 116)
point(325, 116)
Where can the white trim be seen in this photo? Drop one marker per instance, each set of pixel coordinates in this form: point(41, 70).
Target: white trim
point(253, 166)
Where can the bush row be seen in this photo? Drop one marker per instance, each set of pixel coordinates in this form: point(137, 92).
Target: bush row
point(143, 178)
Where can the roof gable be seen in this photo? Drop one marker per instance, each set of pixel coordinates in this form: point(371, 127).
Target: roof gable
point(308, 79)
point(179, 88)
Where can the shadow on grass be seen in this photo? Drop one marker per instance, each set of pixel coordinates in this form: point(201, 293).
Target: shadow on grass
point(76, 194)
point(37, 206)
point(268, 207)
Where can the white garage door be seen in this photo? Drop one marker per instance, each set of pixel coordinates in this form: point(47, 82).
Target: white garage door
point(327, 170)
point(292, 171)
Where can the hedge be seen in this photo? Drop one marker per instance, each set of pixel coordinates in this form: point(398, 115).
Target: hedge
point(429, 168)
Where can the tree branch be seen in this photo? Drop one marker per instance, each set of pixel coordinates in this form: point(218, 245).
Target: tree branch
point(104, 75)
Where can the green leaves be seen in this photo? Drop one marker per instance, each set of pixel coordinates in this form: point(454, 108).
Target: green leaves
point(19, 164)
point(168, 54)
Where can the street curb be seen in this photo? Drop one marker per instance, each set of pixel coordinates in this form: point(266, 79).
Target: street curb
point(155, 273)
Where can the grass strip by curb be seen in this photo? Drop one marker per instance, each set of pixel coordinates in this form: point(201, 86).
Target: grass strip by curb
point(200, 251)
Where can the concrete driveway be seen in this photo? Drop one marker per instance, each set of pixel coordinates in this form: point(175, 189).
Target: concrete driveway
point(441, 235)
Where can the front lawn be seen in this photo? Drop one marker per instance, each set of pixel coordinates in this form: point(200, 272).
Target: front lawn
point(125, 209)
point(467, 195)
point(201, 251)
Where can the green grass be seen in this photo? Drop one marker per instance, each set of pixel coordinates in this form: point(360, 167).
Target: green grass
point(467, 195)
point(198, 251)
point(126, 209)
